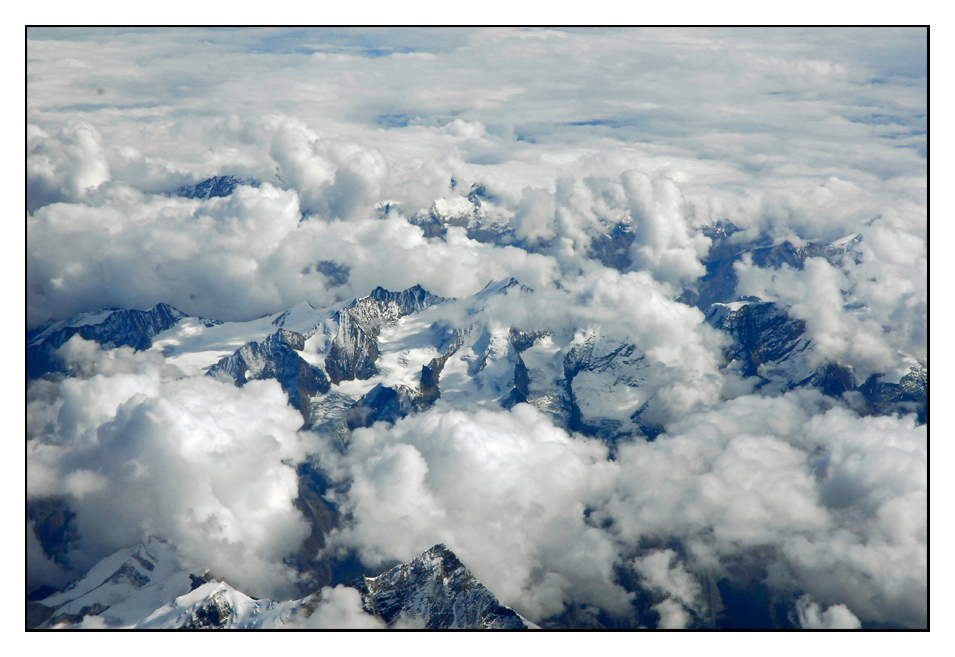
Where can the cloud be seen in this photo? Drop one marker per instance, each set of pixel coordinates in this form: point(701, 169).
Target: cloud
point(682, 593)
point(836, 617)
point(821, 500)
point(203, 464)
point(41, 569)
point(338, 608)
point(663, 244)
point(817, 501)
point(66, 166)
point(240, 257)
point(506, 492)
point(816, 294)
point(704, 130)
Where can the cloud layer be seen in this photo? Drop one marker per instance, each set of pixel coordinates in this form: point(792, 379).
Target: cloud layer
point(563, 137)
point(811, 500)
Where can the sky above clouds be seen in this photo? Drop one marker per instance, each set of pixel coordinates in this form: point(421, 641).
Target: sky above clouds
point(798, 134)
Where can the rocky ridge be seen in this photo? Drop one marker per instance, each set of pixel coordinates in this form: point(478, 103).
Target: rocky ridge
point(438, 592)
point(143, 587)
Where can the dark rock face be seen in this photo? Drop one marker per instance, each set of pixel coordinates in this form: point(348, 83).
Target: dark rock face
point(37, 614)
point(382, 404)
point(613, 249)
point(718, 284)
point(276, 358)
point(322, 516)
point(832, 379)
point(122, 328)
point(54, 526)
point(428, 390)
point(909, 395)
point(762, 333)
point(354, 351)
point(766, 338)
point(521, 390)
point(411, 300)
point(435, 589)
point(524, 340)
point(213, 614)
point(428, 387)
point(217, 186)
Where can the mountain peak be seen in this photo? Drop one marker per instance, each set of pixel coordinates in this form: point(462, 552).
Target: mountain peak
point(437, 590)
point(215, 187)
point(413, 299)
point(502, 286)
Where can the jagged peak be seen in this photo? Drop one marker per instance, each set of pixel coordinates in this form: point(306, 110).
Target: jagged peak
point(384, 293)
point(502, 286)
point(413, 299)
point(165, 307)
point(97, 318)
point(720, 229)
point(440, 550)
point(440, 590)
point(846, 242)
point(216, 186)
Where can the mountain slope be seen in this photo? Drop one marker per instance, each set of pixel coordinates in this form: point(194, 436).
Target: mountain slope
point(143, 588)
point(439, 592)
point(775, 348)
point(217, 186)
point(276, 358)
point(110, 328)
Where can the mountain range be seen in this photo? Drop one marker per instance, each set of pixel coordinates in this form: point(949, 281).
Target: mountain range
point(144, 587)
point(392, 354)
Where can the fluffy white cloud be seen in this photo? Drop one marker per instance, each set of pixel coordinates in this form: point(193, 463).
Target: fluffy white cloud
point(507, 492)
point(64, 167)
point(723, 143)
point(840, 500)
point(836, 617)
point(203, 464)
point(338, 608)
point(871, 314)
point(816, 294)
point(241, 257)
point(681, 591)
point(816, 500)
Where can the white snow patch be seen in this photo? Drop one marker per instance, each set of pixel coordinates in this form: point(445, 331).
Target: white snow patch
point(454, 206)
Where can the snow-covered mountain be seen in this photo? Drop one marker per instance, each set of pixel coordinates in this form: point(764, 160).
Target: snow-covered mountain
point(438, 592)
point(719, 283)
point(383, 357)
point(110, 328)
point(217, 186)
point(770, 345)
point(276, 358)
point(144, 587)
point(468, 211)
